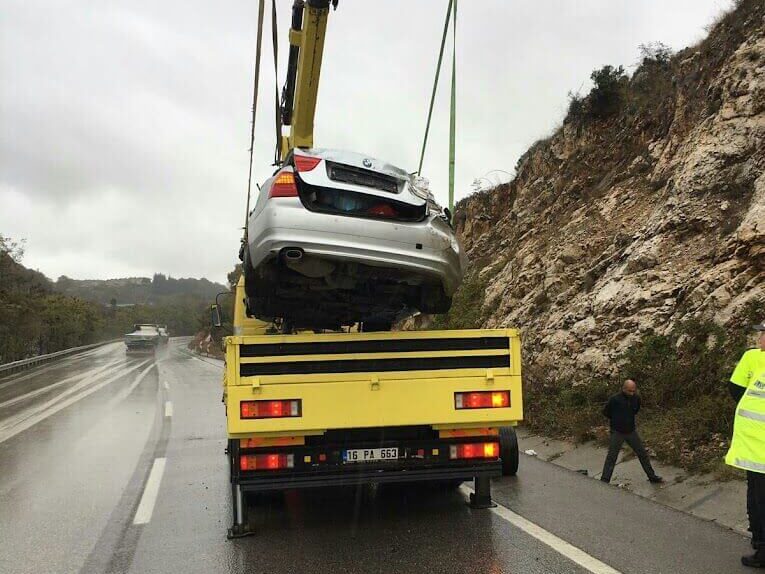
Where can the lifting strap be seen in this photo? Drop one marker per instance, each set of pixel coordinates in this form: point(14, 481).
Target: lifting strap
point(277, 110)
point(254, 110)
point(453, 109)
point(451, 14)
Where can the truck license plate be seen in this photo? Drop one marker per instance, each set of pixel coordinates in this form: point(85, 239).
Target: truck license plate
point(369, 454)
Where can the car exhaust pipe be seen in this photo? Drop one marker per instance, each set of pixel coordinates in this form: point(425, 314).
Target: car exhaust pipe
point(292, 254)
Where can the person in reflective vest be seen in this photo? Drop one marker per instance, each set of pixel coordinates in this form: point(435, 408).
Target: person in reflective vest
point(747, 449)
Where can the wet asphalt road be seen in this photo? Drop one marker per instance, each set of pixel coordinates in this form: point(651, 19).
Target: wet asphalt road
point(79, 439)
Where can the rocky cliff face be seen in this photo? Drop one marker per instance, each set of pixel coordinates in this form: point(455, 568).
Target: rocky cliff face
point(636, 216)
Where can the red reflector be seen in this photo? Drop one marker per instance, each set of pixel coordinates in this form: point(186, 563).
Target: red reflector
point(475, 450)
point(270, 409)
point(383, 210)
point(266, 461)
point(482, 400)
point(284, 185)
point(305, 163)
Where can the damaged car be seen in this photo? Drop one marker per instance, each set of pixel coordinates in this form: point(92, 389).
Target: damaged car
point(337, 238)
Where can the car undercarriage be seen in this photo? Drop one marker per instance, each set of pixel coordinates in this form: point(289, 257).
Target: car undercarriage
point(315, 293)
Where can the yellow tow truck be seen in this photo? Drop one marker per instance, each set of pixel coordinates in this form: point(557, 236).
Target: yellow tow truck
point(329, 409)
point(348, 408)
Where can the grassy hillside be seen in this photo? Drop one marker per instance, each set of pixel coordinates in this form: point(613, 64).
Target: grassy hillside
point(39, 316)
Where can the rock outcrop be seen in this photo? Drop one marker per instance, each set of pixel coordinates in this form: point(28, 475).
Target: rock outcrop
point(638, 219)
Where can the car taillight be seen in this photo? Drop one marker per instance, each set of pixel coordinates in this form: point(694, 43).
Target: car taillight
point(382, 210)
point(482, 400)
point(305, 163)
point(474, 450)
point(266, 461)
point(284, 185)
point(270, 409)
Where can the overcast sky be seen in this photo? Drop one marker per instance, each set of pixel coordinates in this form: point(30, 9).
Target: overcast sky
point(124, 125)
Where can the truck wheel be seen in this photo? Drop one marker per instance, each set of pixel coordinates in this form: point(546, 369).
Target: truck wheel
point(508, 451)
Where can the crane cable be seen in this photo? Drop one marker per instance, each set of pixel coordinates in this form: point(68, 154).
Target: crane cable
point(451, 13)
point(255, 83)
point(278, 111)
point(453, 110)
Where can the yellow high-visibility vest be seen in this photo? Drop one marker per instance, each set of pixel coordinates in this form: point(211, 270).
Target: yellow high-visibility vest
point(747, 448)
point(752, 361)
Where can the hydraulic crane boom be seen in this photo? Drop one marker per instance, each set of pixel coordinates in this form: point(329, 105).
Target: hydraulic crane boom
point(298, 105)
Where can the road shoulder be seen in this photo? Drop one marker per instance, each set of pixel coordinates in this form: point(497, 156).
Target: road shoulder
point(703, 496)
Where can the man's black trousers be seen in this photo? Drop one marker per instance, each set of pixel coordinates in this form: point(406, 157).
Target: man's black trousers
point(615, 445)
point(755, 507)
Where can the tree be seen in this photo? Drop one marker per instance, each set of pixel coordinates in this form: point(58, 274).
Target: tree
point(233, 276)
point(655, 53)
point(11, 248)
point(605, 96)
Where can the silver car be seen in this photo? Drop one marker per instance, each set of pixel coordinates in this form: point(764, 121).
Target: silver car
point(337, 238)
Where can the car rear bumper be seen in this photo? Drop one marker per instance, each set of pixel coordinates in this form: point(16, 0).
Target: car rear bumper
point(423, 248)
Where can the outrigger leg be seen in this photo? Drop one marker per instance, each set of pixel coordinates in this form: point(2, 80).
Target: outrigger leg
point(241, 526)
point(481, 498)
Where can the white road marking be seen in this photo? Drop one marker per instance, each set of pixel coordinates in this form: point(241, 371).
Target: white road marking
point(149, 498)
point(87, 374)
point(576, 555)
point(126, 392)
point(45, 367)
point(167, 385)
point(168, 409)
point(33, 416)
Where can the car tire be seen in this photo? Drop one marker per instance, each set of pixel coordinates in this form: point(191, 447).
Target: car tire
point(249, 273)
point(376, 326)
point(433, 301)
point(508, 451)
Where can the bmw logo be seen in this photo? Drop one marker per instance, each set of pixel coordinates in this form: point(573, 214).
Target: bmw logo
point(367, 162)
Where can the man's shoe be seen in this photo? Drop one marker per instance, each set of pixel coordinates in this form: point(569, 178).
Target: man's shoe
point(655, 479)
point(605, 480)
point(756, 560)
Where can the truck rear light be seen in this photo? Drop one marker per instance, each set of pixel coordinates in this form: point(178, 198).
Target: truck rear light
point(306, 163)
point(284, 185)
point(474, 450)
point(482, 400)
point(270, 409)
point(266, 461)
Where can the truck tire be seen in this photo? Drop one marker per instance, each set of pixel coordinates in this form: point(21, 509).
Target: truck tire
point(508, 451)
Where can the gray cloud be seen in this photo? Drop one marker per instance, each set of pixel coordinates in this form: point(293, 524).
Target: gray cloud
point(124, 126)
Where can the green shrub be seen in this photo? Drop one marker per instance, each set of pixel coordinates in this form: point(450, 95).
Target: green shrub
point(687, 413)
point(466, 310)
point(606, 95)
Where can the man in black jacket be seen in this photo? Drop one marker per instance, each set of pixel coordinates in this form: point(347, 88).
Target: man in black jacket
point(621, 410)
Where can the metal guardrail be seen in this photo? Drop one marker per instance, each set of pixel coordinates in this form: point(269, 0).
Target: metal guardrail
point(16, 366)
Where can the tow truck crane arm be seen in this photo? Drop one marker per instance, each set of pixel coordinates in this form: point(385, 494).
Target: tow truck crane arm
point(298, 104)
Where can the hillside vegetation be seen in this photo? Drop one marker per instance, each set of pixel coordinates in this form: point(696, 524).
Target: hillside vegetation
point(631, 242)
point(39, 316)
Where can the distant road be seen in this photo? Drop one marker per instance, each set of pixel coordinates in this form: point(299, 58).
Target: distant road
point(115, 464)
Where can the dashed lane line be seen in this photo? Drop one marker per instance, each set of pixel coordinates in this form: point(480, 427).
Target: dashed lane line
point(149, 498)
point(576, 555)
point(168, 409)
